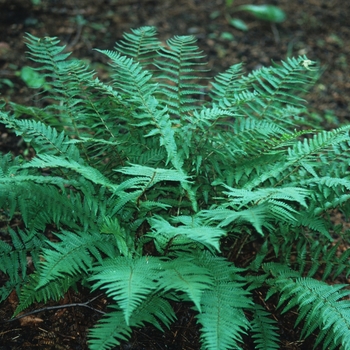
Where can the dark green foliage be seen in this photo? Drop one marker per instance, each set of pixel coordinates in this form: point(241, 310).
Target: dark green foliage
point(201, 174)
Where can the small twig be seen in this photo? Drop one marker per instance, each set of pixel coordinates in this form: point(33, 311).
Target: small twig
point(76, 37)
point(86, 304)
point(275, 32)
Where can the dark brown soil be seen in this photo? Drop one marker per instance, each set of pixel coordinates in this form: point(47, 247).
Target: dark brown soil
point(318, 28)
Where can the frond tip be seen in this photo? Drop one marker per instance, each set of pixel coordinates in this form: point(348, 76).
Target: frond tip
point(264, 330)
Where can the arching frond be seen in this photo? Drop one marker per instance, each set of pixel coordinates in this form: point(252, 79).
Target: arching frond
point(112, 329)
point(141, 45)
point(166, 235)
point(222, 318)
point(127, 281)
point(227, 84)
point(177, 64)
point(320, 306)
point(74, 254)
point(55, 290)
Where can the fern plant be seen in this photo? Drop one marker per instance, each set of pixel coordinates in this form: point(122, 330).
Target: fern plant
point(202, 173)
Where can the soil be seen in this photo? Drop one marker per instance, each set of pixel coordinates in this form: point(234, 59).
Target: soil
point(316, 28)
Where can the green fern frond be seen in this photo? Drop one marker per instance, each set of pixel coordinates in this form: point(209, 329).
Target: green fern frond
point(141, 45)
point(329, 190)
point(265, 205)
point(32, 112)
point(50, 162)
point(135, 83)
point(45, 139)
point(275, 87)
point(55, 290)
point(152, 157)
point(145, 178)
point(326, 258)
point(46, 51)
point(20, 192)
point(341, 264)
point(264, 330)
point(127, 281)
point(14, 258)
point(74, 255)
point(147, 206)
point(320, 306)
point(222, 317)
point(317, 224)
point(154, 175)
point(241, 197)
point(79, 97)
point(130, 78)
point(254, 215)
point(323, 142)
point(45, 199)
point(62, 74)
point(226, 84)
point(165, 234)
point(109, 331)
point(184, 275)
point(177, 72)
point(123, 239)
point(258, 158)
point(9, 164)
point(112, 329)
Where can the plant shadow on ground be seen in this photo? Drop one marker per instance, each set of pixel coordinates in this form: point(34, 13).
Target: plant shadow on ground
point(318, 29)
